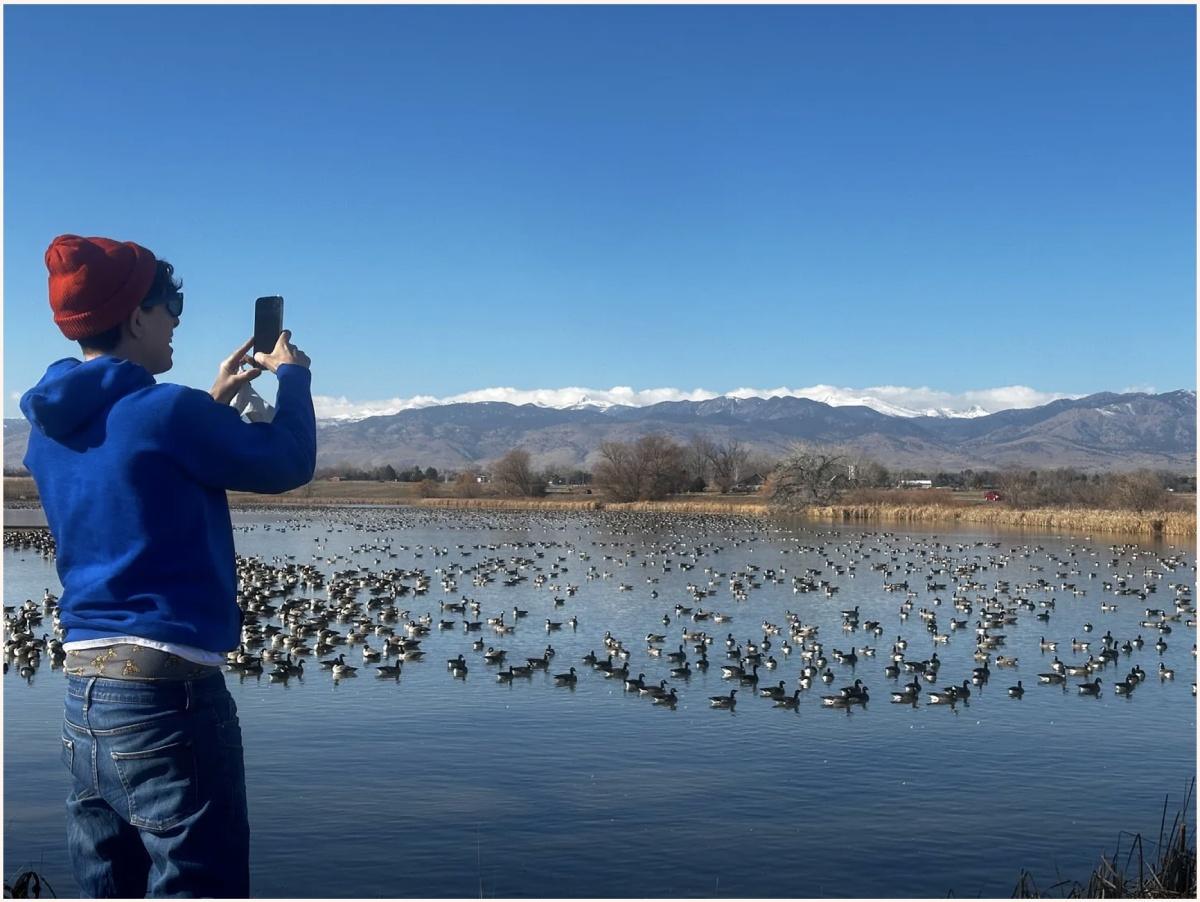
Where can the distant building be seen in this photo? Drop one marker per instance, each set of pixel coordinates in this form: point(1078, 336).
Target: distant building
point(483, 478)
point(915, 484)
point(750, 484)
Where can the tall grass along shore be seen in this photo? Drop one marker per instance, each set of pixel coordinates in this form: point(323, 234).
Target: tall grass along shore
point(19, 492)
point(1171, 874)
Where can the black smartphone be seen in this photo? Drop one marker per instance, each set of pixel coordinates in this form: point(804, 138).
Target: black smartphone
point(268, 323)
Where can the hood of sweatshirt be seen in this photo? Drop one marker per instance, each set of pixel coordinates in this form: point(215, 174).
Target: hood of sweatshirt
point(73, 393)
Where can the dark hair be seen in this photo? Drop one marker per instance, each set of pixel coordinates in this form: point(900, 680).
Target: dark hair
point(164, 285)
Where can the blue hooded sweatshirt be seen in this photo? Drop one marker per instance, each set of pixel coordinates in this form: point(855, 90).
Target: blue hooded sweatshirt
point(132, 476)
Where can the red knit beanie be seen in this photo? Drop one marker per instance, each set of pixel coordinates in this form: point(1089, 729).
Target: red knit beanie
point(95, 283)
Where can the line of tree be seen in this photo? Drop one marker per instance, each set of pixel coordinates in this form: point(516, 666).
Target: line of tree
point(656, 466)
point(821, 475)
point(384, 473)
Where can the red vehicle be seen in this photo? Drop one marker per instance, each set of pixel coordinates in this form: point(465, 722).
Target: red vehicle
point(992, 496)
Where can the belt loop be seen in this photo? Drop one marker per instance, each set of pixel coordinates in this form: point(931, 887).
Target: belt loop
point(87, 702)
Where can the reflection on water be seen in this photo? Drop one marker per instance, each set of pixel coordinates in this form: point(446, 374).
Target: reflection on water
point(432, 786)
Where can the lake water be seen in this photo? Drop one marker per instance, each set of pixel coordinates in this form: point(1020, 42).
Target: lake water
point(436, 786)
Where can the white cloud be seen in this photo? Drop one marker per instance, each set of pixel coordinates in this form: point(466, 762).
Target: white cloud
point(894, 400)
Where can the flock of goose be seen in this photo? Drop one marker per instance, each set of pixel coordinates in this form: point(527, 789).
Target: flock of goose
point(943, 600)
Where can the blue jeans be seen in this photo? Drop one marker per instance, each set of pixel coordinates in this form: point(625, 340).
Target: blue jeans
point(159, 801)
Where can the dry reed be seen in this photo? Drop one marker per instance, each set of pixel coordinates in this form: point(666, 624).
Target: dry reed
point(1166, 523)
point(1171, 876)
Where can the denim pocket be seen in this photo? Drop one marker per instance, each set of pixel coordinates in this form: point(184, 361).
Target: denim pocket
point(159, 783)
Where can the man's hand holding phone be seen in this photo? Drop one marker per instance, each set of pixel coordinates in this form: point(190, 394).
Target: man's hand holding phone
point(284, 352)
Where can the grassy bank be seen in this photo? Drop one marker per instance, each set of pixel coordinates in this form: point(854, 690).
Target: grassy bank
point(737, 505)
point(1180, 524)
point(960, 508)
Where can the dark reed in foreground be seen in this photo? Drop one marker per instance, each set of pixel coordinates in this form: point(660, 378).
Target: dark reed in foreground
point(1171, 876)
point(28, 885)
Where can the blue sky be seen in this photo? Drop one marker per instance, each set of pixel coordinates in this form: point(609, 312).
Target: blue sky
point(456, 198)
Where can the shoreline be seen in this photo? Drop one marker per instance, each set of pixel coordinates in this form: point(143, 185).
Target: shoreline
point(1155, 524)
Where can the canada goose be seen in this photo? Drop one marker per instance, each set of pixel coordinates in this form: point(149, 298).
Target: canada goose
point(389, 670)
point(792, 701)
point(773, 692)
point(1092, 688)
point(683, 672)
point(566, 679)
point(724, 701)
point(945, 697)
point(851, 691)
point(622, 672)
point(631, 685)
point(669, 698)
point(505, 676)
point(492, 656)
point(906, 695)
point(1164, 672)
point(840, 701)
point(1016, 691)
point(654, 691)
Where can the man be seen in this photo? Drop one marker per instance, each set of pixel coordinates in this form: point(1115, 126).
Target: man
point(132, 476)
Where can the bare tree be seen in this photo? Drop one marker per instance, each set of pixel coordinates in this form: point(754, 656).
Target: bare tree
point(696, 457)
point(809, 475)
point(649, 469)
point(466, 485)
point(1140, 490)
point(661, 462)
point(514, 475)
point(617, 473)
point(727, 461)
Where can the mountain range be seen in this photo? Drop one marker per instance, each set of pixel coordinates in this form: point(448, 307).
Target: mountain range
point(1103, 431)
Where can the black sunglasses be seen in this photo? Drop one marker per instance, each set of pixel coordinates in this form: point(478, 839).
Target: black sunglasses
point(173, 303)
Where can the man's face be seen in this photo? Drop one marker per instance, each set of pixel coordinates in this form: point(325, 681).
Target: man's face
point(158, 329)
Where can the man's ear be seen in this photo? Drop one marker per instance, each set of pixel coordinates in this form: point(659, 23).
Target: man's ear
point(135, 324)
